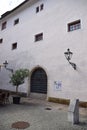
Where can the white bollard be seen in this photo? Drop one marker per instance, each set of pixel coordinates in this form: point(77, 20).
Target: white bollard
point(73, 111)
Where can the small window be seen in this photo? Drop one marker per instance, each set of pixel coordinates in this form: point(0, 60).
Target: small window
point(38, 37)
point(14, 46)
point(1, 40)
point(37, 9)
point(74, 25)
point(4, 25)
point(41, 6)
point(16, 21)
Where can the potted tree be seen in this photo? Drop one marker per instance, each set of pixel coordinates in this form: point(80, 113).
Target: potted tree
point(17, 78)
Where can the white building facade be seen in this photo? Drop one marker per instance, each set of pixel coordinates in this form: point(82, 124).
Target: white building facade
point(35, 36)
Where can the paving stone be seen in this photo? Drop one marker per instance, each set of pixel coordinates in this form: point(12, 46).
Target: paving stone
point(34, 112)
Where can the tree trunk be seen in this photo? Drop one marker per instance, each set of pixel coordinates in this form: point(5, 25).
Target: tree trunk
point(17, 89)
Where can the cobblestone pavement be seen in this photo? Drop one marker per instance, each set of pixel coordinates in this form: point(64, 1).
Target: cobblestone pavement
point(36, 113)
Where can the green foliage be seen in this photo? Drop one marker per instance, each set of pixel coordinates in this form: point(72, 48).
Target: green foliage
point(18, 77)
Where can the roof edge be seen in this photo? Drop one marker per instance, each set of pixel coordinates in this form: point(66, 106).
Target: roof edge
point(9, 12)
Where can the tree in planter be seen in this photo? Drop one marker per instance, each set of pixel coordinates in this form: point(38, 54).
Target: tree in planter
point(18, 77)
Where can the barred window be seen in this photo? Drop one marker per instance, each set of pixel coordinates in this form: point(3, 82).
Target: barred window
point(16, 21)
point(1, 40)
point(41, 6)
point(37, 9)
point(14, 46)
point(4, 25)
point(38, 37)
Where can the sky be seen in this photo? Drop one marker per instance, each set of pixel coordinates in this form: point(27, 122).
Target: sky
point(6, 5)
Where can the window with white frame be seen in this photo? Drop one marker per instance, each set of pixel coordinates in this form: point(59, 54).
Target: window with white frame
point(74, 25)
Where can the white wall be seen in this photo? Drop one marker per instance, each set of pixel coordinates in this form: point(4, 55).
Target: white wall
point(49, 53)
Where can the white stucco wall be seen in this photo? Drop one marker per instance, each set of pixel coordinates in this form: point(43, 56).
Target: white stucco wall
point(48, 53)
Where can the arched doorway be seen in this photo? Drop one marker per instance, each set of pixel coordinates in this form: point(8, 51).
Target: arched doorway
point(38, 81)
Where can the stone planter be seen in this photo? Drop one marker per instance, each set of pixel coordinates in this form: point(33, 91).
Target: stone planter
point(16, 99)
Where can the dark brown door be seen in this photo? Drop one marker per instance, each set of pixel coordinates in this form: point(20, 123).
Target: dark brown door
point(39, 81)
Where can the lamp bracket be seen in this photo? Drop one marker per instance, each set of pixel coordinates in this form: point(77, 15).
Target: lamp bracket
point(5, 65)
point(73, 65)
point(11, 70)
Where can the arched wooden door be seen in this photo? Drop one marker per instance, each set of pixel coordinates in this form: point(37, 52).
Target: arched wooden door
point(39, 81)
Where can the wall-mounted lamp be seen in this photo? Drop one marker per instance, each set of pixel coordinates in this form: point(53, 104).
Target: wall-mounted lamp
point(68, 56)
point(6, 64)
